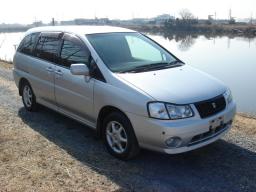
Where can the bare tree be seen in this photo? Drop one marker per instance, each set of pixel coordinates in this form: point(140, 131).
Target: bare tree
point(187, 18)
point(186, 15)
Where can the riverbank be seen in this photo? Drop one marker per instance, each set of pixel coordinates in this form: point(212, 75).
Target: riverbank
point(246, 30)
point(234, 30)
point(6, 64)
point(45, 151)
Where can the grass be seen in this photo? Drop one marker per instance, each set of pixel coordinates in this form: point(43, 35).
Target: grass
point(6, 64)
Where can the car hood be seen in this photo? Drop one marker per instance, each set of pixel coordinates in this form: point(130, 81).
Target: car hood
point(179, 85)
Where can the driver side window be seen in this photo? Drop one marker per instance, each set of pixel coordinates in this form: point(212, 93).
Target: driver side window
point(73, 51)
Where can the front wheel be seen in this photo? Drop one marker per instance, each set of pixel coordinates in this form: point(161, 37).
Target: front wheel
point(28, 97)
point(119, 136)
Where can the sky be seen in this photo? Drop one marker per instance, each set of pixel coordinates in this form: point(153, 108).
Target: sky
point(28, 11)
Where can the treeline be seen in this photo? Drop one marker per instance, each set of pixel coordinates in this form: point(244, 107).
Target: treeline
point(188, 23)
point(222, 29)
point(13, 29)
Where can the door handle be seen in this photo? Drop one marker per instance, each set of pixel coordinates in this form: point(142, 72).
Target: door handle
point(49, 69)
point(59, 72)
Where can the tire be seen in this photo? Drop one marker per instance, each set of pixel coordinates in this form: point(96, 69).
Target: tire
point(28, 97)
point(117, 130)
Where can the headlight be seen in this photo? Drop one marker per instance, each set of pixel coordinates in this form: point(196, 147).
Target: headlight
point(179, 111)
point(169, 111)
point(157, 110)
point(228, 96)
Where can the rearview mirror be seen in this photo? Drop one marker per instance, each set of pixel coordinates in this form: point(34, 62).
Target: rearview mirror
point(79, 69)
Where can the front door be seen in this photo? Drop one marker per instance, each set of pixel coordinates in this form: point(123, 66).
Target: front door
point(73, 93)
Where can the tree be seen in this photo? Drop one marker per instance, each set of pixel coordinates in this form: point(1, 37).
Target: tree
point(186, 16)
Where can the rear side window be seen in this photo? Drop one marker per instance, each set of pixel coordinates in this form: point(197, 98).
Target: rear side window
point(73, 51)
point(28, 43)
point(47, 48)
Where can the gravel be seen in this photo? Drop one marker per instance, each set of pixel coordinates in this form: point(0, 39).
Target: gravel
point(45, 151)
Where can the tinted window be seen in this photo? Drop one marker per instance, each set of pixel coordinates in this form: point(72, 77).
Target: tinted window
point(73, 52)
point(123, 52)
point(142, 50)
point(28, 43)
point(47, 48)
point(95, 71)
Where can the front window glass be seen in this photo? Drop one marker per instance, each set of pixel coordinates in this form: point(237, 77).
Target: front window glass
point(142, 50)
point(124, 52)
point(72, 53)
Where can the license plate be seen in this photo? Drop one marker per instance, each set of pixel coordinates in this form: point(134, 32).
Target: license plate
point(216, 123)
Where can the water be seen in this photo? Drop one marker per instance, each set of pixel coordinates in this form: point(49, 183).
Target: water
point(232, 60)
point(8, 42)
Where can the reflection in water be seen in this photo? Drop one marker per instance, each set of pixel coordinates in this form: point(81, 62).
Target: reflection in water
point(230, 59)
point(186, 43)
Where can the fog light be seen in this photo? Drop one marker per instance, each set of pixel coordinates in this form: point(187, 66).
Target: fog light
point(173, 142)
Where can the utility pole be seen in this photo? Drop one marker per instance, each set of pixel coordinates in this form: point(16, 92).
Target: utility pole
point(231, 18)
point(53, 22)
point(251, 19)
point(95, 15)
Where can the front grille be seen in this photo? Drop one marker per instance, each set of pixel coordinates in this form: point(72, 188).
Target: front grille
point(211, 107)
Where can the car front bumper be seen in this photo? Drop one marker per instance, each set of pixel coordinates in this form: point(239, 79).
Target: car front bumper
point(194, 132)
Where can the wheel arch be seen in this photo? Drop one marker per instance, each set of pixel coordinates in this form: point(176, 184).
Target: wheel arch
point(104, 111)
point(21, 82)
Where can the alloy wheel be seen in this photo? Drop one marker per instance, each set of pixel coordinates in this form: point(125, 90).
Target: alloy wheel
point(116, 137)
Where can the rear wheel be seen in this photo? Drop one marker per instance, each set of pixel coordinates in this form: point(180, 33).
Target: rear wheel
point(119, 136)
point(28, 97)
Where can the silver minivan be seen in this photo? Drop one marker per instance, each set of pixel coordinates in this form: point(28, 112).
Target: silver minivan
point(131, 90)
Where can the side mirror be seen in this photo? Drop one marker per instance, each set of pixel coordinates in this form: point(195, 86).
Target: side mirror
point(79, 69)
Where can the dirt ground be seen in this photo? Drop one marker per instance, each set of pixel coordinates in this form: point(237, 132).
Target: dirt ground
point(45, 151)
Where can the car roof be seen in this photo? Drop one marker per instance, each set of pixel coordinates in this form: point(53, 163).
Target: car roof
point(81, 30)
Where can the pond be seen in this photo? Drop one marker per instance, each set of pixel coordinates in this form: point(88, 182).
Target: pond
point(8, 41)
point(232, 60)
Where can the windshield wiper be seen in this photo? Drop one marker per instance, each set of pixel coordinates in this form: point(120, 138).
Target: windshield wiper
point(154, 66)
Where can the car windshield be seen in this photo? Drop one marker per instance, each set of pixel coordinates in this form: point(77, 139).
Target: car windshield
point(130, 52)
